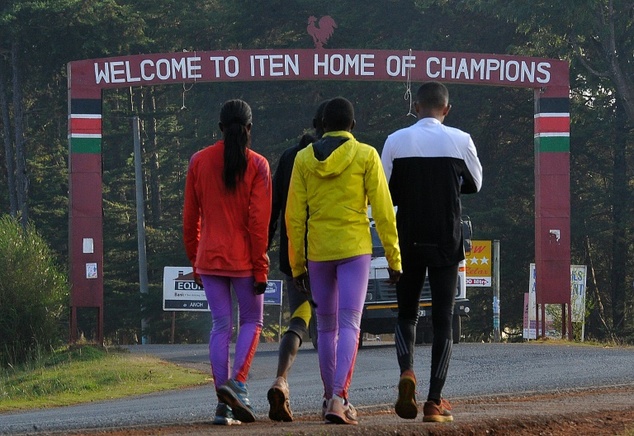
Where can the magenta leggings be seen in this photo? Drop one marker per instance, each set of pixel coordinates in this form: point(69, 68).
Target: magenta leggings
point(250, 307)
point(338, 288)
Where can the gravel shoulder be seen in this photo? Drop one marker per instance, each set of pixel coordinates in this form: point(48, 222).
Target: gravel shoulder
point(605, 411)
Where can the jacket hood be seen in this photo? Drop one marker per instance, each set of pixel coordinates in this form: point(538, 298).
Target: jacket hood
point(332, 154)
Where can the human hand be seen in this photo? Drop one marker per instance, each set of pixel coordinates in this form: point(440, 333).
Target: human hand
point(394, 276)
point(259, 287)
point(302, 283)
point(198, 280)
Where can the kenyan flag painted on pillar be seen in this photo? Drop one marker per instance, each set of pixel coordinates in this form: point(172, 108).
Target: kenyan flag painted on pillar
point(84, 126)
point(552, 125)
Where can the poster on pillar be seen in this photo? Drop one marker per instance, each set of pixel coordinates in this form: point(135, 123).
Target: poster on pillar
point(578, 275)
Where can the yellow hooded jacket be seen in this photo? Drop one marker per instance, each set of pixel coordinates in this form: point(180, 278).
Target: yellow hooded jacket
point(332, 183)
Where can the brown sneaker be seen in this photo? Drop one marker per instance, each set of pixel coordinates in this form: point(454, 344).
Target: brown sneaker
point(405, 406)
point(279, 401)
point(340, 411)
point(437, 412)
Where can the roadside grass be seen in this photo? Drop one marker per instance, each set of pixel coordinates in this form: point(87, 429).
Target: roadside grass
point(83, 374)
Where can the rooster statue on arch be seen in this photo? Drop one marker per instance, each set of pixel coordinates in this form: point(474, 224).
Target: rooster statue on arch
point(322, 33)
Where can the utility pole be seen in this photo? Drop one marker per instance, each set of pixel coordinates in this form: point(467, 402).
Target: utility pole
point(496, 290)
point(140, 221)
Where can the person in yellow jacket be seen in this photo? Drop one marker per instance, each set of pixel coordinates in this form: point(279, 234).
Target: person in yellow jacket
point(333, 181)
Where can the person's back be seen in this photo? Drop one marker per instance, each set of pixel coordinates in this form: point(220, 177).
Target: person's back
point(437, 157)
point(333, 180)
point(428, 166)
point(225, 229)
point(299, 305)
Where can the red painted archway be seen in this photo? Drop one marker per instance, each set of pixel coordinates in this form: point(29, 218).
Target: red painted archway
point(547, 77)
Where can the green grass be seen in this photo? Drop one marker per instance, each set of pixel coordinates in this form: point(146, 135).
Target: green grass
point(84, 374)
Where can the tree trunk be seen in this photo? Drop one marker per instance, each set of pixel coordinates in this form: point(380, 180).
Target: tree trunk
point(619, 222)
point(595, 287)
point(8, 147)
point(22, 182)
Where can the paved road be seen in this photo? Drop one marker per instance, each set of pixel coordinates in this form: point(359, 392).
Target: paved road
point(476, 370)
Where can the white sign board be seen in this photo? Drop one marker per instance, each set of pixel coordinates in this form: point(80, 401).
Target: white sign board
point(578, 274)
point(182, 293)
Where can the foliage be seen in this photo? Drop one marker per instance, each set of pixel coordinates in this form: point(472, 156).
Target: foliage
point(33, 295)
point(179, 120)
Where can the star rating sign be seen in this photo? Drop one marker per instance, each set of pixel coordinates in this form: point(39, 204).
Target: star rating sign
point(482, 261)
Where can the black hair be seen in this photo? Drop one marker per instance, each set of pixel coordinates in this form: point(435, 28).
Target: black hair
point(235, 119)
point(318, 121)
point(432, 95)
point(338, 114)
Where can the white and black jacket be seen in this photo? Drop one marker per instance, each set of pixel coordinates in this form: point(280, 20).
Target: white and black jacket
point(428, 165)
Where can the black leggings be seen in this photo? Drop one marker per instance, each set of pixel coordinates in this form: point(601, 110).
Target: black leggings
point(442, 281)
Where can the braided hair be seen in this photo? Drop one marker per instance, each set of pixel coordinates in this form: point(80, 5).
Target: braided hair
point(235, 121)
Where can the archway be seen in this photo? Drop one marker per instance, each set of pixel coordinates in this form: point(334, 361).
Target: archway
point(549, 79)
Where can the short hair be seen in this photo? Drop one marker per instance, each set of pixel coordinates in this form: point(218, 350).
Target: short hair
point(318, 120)
point(338, 114)
point(432, 95)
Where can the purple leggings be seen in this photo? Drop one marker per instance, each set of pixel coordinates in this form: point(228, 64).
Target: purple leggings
point(338, 288)
point(250, 307)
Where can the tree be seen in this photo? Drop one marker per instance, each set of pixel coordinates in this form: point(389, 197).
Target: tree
point(598, 38)
point(33, 294)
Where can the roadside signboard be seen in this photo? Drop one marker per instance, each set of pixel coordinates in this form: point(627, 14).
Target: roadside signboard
point(479, 264)
point(182, 293)
point(578, 274)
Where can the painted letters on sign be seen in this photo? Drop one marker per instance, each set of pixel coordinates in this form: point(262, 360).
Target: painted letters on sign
point(301, 64)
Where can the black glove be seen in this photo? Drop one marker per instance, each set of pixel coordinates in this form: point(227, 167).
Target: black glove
point(259, 287)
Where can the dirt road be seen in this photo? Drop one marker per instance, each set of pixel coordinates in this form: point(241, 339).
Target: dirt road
point(607, 411)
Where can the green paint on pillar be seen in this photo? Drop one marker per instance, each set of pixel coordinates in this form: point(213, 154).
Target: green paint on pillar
point(556, 144)
point(85, 145)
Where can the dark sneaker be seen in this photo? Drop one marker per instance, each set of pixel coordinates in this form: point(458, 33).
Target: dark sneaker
point(279, 402)
point(340, 411)
point(324, 409)
point(406, 406)
point(234, 394)
point(224, 415)
point(437, 412)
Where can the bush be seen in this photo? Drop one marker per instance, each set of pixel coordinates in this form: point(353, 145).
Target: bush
point(33, 295)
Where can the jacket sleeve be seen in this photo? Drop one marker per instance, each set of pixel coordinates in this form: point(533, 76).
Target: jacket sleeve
point(191, 215)
point(388, 164)
point(472, 176)
point(382, 209)
point(259, 218)
point(296, 215)
point(278, 197)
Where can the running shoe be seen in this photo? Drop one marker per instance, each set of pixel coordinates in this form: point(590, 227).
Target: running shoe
point(340, 411)
point(405, 406)
point(224, 415)
point(279, 402)
point(234, 394)
point(437, 412)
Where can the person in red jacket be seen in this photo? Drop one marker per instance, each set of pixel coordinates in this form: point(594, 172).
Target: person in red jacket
point(226, 216)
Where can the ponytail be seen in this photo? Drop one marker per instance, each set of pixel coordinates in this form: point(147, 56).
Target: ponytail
point(235, 117)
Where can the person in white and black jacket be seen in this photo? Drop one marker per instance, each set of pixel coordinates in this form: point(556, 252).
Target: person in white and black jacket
point(428, 165)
